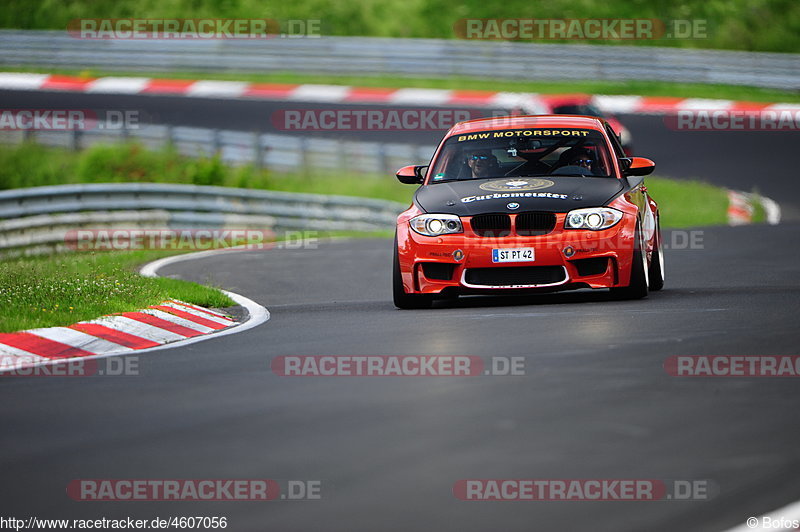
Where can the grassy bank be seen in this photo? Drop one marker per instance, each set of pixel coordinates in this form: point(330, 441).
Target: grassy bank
point(63, 289)
point(688, 203)
point(641, 88)
point(767, 25)
point(31, 165)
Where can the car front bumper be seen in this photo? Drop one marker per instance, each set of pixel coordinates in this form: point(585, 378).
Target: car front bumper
point(564, 260)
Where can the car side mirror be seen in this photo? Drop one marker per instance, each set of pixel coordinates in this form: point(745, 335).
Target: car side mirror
point(637, 166)
point(411, 175)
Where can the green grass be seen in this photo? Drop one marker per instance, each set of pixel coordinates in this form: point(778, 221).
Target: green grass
point(50, 291)
point(688, 203)
point(759, 213)
point(642, 88)
point(769, 25)
point(30, 165)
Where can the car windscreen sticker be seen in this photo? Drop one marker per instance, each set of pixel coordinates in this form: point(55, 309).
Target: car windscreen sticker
point(551, 195)
point(516, 185)
point(525, 133)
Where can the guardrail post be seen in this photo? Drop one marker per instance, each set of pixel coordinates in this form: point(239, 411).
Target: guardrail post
point(216, 142)
point(257, 155)
point(75, 140)
point(340, 150)
point(305, 163)
point(383, 160)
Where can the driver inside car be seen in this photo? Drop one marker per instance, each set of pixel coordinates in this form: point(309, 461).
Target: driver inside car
point(482, 163)
point(577, 157)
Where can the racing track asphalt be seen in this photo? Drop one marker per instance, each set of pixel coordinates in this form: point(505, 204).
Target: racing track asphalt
point(595, 402)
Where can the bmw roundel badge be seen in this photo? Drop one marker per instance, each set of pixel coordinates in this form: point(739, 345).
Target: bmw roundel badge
point(513, 206)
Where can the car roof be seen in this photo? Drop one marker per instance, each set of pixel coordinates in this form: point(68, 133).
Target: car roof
point(557, 100)
point(517, 122)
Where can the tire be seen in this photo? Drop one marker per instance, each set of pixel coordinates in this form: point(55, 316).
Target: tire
point(401, 298)
point(639, 284)
point(656, 273)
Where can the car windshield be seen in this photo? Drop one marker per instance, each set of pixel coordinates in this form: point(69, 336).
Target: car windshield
point(522, 153)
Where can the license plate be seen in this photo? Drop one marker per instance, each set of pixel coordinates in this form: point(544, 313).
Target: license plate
point(513, 255)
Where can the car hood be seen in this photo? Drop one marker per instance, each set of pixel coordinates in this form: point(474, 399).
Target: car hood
point(546, 194)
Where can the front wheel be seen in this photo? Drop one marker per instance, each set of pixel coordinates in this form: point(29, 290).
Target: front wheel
point(640, 284)
point(401, 298)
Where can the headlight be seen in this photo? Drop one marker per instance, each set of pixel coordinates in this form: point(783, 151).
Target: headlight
point(595, 218)
point(436, 224)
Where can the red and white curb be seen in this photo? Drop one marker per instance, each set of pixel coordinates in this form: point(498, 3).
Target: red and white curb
point(741, 206)
point(365, 95)
point(172, 323)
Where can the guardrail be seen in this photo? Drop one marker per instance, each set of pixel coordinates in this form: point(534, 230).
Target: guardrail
point(405, 57)
point(282, 153)
point(41, 219)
